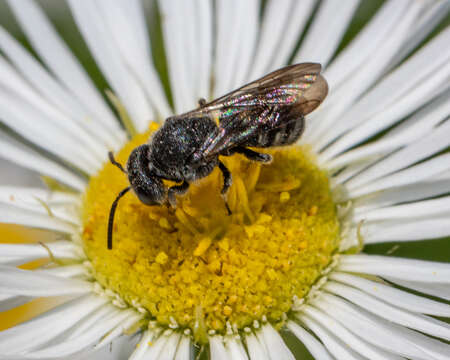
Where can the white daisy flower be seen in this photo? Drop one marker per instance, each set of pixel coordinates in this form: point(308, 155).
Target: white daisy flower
point(288, 265)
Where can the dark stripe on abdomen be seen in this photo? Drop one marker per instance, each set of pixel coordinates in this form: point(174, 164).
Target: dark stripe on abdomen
point(286, 134)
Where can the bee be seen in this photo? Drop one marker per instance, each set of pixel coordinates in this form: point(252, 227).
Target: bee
point(264, 113)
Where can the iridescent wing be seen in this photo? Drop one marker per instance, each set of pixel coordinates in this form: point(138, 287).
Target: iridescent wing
point(262, 105)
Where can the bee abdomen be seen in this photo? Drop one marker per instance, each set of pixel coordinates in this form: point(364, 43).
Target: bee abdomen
point(286, 134)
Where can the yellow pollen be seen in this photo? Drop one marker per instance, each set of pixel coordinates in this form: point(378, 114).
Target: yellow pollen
point(201, 268)
point(284, 196)
point(203, 245)
point(161, 258)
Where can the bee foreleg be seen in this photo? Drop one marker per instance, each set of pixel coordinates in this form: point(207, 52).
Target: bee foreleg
point(253, 155)
point(227, 181)
point(177, 190)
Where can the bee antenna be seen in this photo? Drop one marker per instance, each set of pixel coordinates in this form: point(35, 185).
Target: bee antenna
point(114, 162)
point(111, 215)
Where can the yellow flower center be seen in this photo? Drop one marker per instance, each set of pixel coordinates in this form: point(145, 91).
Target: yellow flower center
point(200, 268)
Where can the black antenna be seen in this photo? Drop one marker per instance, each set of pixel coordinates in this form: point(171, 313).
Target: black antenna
point(114, 204)
point(114, 162)
point(111, 215)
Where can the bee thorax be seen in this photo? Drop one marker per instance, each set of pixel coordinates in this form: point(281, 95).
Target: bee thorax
point(175, 146)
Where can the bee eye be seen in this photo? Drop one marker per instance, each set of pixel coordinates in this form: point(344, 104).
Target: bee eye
point(150, 190)
point(147, 198)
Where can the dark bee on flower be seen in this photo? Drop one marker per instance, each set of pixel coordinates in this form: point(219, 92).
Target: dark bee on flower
point(264, 113)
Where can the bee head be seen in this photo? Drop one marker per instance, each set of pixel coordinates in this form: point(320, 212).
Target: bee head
point(149, 188)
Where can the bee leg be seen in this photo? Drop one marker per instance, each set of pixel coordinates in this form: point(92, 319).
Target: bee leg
point(253, 155)
point(227, 181)
point(201, 102)
point(177, 190)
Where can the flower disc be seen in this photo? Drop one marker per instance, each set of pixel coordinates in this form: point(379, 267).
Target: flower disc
point(198, 267)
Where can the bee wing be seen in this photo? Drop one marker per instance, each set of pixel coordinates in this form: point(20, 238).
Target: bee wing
point(260, 105)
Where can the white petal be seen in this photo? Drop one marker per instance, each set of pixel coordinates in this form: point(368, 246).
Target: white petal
point(419, 209)
point(49, 325)
point(389, 91)
point(106, 53)
point(205, 38)
point(224, 18)
point(154, 351)
point(333, 16)
point(408, 132)
point(189, 46)
point(365, 42)
point(350, 171)
point(425, 119)
point(42, 201)
point(299, 15)
point(277, 14)
point(106, 311)
point(34, 161)
point(275, 345)
point(120, 329)
point(24, 195)
point(429, 144)
point(184, 349)
point(23, 253)
point(47, 86)
point(170, 348)
point(435, 289)
point(119, 349)
point(317, 350)
point(235, 349)
point(18, 175)
point(29, 123)
point(423, 171)
point(14, 215)
point(147, 337)
point(87, 132)
point(417, 97)
point(256, 350)
point(394, 296)
point(380, 332)
point(404, 194)
point(173, 32)
point(428, 21)
point(61, 61)
point(339, 350)
point(445, 175)
point(25, 282)
point(407, 230)
point(406, 269)
point(67, 271)
point(82, 342)
point(126, 22)
point(354, 342)
point(245, 47)
point(418, 322)
point(27, 195)
point(217, 348)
